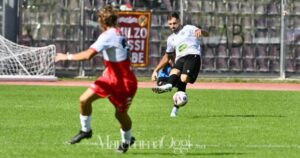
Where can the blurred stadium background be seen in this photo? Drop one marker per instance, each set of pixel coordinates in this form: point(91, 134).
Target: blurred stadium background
point(251, 38)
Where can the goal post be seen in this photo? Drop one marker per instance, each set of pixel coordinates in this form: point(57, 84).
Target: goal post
point(18, 62)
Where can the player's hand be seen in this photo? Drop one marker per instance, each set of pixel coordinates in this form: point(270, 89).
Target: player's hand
point(60, 57)
point(198, 33)
point(204, 33)
point(154, 76)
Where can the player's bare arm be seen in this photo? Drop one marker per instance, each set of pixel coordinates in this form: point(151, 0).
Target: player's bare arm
point(163, 62)
point(84, 55)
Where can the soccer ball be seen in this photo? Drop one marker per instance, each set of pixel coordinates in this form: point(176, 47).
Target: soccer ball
point(180, 98)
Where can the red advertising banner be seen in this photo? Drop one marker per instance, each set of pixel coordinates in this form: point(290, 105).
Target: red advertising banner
point(136, 26)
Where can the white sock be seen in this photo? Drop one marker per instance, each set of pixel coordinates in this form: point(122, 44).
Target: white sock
point(85, 122)
point(174, 111)
point(126, 136)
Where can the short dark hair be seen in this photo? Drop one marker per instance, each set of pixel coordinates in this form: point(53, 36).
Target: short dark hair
point(173, 15)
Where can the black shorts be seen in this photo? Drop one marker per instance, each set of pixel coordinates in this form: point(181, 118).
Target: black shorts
point(189, 65)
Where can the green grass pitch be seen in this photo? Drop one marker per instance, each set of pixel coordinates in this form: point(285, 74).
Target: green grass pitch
point(38, 121)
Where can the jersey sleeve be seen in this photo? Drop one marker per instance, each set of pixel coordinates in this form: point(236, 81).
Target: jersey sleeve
point(100, 44)
point(170, 47)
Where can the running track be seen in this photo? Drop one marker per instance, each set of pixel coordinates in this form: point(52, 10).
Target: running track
point(199, 85)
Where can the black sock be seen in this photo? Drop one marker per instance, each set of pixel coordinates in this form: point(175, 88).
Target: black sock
point(181, 86)
point(176, 106)
point(173, 80)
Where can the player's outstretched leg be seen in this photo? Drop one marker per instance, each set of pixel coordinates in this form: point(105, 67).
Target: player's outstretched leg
point(163, 88)
point(181, 87)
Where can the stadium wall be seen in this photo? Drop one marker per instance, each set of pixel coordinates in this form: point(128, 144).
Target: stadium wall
point(244, 35)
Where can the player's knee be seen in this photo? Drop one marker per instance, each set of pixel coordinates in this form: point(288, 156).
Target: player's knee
point(83, 100)
point(184, 78)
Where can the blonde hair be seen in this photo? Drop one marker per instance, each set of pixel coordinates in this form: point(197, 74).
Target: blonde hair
point(108, 17)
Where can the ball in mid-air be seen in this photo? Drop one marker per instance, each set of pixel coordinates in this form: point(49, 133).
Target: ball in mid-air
point(180, 98)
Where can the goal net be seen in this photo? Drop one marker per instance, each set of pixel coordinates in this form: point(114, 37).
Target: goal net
point(19, 62)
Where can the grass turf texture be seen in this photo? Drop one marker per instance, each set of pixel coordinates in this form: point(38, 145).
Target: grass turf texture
point(38, 121)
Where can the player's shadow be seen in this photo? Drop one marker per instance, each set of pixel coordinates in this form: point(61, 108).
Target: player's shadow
point(237, 116)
